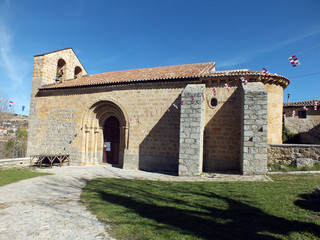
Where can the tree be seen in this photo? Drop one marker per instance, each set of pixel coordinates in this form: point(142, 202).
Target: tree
point(4, 108)
point(6, 147)
point(20, 146)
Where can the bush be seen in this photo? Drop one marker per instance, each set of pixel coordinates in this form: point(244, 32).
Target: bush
point(288, 136)
point(15, 148)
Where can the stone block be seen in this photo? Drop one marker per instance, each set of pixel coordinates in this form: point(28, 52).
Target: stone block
point(304, 162)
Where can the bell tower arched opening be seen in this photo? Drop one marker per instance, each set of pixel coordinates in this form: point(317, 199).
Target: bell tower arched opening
point(77, 72)
point(61, 70)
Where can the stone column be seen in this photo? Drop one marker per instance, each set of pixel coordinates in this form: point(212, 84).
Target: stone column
point(254, 134)
point(191, 130)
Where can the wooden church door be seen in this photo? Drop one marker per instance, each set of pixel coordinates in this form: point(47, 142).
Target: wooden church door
point(111, 133)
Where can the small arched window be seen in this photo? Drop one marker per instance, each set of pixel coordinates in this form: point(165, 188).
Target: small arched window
point(77, 72)
point(61, 68)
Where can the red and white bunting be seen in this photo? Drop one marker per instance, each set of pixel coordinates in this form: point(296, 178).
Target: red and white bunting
point(265, 71)
point(227, 86)
point(315, 105)
point(214, 91)
point(294, 61)
point(244, 80)
point(305, 108)
point(175, 106)
point(284, 116)
point(293, 113)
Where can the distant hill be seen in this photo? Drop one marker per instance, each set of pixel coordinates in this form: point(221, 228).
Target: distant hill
point(16, 119)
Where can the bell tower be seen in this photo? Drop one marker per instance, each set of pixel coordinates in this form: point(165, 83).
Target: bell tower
point(55, 67)
point(51, 68)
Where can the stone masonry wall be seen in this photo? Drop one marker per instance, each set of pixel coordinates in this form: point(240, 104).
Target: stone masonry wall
point(289, 153)
point(275, 108)
point(191, 130)
point(298, 125)
point(153, 129)
point(255, 123)
point(222, 134)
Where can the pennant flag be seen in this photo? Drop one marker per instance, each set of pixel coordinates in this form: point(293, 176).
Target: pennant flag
point(305, 108)
point(228, 87)
point(182, 102)
point(284, 116)
point(293, 113)
point(23, 107)
point(244, 80)
point(192, 100)
point(265, 71)
point(315, 105)
point(175, 106)
point(214, 92)
point(202, 96)
point(10, 104)
point(294, 61)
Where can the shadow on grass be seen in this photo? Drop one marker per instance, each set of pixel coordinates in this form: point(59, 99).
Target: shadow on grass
point(236, 221)
point(309, 202)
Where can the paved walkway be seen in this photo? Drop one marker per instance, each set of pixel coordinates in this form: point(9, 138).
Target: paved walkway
point(48, 207)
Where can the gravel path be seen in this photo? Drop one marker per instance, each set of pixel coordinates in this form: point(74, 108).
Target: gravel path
point(47, 207)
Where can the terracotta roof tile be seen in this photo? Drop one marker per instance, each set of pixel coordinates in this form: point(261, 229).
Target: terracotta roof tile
point(241, 72)
point(145, 74)
point(301, 103)
point(157, 73)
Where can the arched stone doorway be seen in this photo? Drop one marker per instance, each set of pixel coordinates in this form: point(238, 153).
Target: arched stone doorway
point(105, 135)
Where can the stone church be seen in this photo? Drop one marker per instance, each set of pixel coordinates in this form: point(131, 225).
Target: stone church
point(185, 119)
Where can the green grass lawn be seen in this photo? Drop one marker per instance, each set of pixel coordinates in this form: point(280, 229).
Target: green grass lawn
point(137, 209)
point(11, 175)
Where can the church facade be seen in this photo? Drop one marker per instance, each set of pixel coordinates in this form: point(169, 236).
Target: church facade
point(185, 119)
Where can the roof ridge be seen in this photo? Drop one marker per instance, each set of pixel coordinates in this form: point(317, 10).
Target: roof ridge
point(137, 69)
point(210, 65)
point(301, 103)
point(54, 52)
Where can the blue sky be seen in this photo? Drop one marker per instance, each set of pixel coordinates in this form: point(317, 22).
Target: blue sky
point(115, 35)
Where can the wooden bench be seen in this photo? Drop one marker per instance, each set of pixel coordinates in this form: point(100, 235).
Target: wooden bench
point(40, 158)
